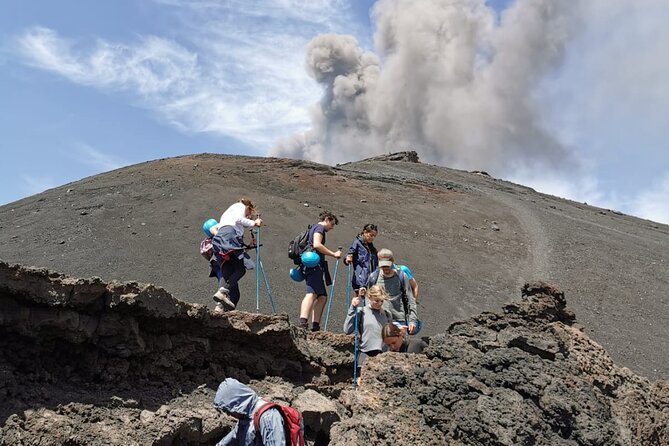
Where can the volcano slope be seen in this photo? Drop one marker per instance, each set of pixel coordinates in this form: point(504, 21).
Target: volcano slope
point(84, 362)
point(471, 240)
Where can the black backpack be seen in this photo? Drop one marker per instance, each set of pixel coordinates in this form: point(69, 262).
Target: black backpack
point(299, 245)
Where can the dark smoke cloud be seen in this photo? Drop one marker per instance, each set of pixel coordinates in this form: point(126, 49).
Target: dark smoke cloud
point(453, 81)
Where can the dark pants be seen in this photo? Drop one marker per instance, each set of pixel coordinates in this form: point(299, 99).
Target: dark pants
point(362, 356)
point(232, 271)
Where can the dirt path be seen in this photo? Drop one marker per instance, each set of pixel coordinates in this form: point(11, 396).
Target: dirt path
point(540, 249)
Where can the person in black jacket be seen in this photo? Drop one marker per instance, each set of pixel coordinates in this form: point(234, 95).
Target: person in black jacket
point(395, 340)
point(363, 256)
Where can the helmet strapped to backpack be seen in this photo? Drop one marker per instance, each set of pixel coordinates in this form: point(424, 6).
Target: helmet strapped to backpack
point(207, 225)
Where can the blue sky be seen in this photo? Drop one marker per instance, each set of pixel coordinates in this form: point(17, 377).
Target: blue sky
point(88, 87)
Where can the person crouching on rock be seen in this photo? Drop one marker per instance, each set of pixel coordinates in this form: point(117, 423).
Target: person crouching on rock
point(228, 244)
point(371, 320)
point(395, 340)
point(240, 401)
point(317, 277)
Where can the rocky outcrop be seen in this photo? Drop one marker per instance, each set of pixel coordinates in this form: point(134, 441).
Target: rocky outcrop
point(88, 362)
point(75, 353)
point(524, 376)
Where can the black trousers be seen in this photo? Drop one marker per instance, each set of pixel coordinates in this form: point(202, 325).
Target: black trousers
point(232, 270)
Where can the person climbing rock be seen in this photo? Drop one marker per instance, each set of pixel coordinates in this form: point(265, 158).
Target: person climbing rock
point(228, 244)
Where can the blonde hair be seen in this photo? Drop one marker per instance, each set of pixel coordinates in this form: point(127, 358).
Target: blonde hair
point(377, 292)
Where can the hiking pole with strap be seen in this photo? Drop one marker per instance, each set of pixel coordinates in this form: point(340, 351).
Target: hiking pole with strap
point(334, 281)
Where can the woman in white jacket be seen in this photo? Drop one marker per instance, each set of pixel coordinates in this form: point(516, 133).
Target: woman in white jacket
point(228, 244)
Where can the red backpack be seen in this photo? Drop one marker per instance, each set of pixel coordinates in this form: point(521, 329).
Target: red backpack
point(292, 421)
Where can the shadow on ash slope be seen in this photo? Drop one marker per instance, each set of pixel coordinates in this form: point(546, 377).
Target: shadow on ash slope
point(87, 362)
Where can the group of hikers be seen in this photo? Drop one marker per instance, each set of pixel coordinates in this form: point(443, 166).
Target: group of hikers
point(382, 313)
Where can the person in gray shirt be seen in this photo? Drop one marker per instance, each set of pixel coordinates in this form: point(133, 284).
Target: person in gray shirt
point(371, 319)
point(395, 282)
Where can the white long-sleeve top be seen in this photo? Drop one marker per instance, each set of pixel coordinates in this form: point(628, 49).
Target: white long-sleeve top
point(235, 216)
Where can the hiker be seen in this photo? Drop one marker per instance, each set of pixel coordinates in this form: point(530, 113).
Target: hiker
point(401, 303)
point(362, 255)
point(395, 340)
point(317, 277)
point(371, 320)
point(241, 402)
point(412, 281)
point(229, 252)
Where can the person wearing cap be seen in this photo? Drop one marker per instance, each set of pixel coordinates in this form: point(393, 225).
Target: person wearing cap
point(401, 304)
point(240, 401)
point(228, 244)
point(407, 270)
point(363, 257)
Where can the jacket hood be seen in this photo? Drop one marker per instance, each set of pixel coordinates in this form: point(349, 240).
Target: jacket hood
point(235, 397)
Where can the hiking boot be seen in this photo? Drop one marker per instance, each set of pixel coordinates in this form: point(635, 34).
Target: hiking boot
point(221, 296)
point(222, 291)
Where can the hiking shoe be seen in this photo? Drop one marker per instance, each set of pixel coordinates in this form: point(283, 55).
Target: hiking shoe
point(221, 296)
point(222, 291)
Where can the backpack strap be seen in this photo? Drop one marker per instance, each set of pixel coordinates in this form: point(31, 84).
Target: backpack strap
point(405, 299)
point(261, 410)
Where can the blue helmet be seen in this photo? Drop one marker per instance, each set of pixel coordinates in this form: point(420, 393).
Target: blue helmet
point(310, 259)
point(207, 225)
point(296, 274)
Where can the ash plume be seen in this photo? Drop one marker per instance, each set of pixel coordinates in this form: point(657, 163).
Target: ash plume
point(451, 80)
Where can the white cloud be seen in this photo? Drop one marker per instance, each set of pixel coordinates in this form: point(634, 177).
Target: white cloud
point(233, 68)
point(96, 159)
point(653, 203)
point(34, 184)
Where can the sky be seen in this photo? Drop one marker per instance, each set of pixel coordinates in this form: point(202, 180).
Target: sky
point(571, 98)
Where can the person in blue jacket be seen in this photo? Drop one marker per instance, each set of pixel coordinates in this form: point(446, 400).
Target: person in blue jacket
point(363, 256)
point(240, 401)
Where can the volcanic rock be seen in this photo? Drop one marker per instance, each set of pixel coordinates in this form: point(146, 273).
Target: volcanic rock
point(89, 362)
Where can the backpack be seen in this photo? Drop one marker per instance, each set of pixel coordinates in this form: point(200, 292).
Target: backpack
point(299, 245)
point(207, 248)
point(374, 277)
point(292, 422)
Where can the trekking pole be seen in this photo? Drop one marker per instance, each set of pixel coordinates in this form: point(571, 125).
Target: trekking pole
point(334, 281)
point(257, 243)
point(269, 293)
point(355, 350)
point(348, 288)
